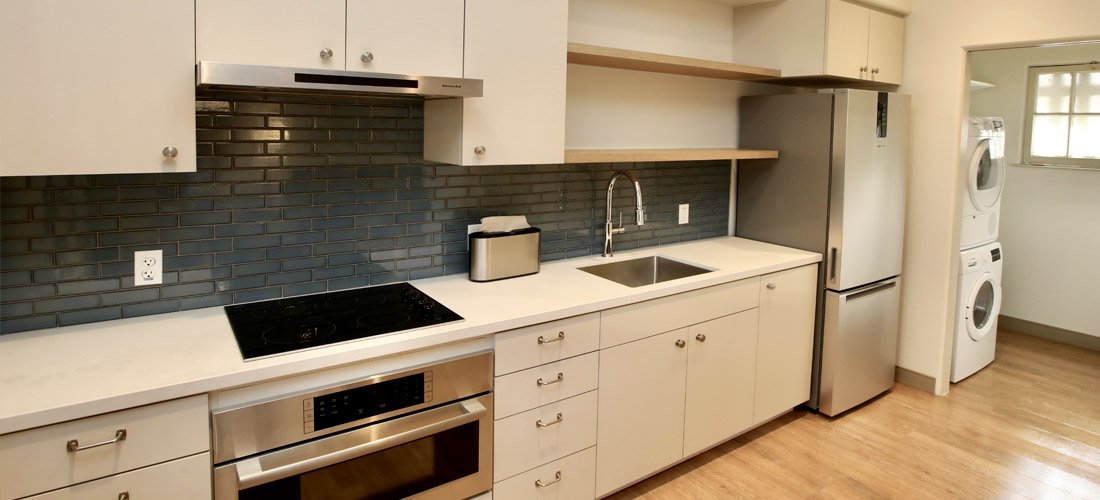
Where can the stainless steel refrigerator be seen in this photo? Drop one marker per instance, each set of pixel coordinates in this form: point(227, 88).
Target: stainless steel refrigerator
point(837, 188)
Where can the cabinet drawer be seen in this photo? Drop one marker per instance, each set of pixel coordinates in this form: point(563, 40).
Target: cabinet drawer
point(154, 433)
point(571, 478)
point(520, 348)
point(533, 438)
point(644, 319)
point(183, 479)
point(534, 387)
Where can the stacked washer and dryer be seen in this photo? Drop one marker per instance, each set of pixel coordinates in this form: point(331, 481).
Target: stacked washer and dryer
point(980, 263)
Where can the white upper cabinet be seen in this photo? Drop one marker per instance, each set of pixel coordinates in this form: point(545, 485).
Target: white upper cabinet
point(518, 48)
point(419, 37)
point(271, 32)
point(415, 37)
point(813, 38)
point(97, 87)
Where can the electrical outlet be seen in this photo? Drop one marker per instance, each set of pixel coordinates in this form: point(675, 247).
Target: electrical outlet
point(148, 267)
point(683, 213)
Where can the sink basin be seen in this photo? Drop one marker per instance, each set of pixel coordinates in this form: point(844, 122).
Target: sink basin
point(644, 271)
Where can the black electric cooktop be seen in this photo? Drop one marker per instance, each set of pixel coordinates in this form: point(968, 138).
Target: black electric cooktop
point(285, 325)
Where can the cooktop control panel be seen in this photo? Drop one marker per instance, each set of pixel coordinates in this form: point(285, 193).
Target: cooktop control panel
point(338, 408)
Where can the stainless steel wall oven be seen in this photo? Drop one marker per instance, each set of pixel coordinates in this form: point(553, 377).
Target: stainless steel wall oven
point(422, 433)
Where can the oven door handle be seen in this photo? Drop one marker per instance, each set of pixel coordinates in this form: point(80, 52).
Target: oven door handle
point(299, 459)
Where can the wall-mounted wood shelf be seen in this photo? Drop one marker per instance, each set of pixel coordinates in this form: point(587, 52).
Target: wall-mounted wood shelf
point(608, 57)
point(685, 154)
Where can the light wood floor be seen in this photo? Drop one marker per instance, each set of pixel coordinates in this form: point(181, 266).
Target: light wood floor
point(1027, 426)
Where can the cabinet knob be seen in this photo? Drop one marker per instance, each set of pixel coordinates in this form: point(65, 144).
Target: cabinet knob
point(701, 337)
point(125, 495)
point(874, 71)
point(680, 343)
point(862, 69)
point(326, 53)
point(366, 57)
point(169, 152)
point(771, 286)
point(479, 150)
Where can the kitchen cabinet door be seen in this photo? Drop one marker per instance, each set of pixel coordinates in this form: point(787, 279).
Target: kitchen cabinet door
point(641, 409)
point(97, 87)
point(518, 48)
point(289, 33)
point(784, 347)
point(720, 380)
point(405, 37)
point(846, 40)
point(886, 37)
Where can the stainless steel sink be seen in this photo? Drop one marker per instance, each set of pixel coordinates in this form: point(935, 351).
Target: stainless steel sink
point(644, 271)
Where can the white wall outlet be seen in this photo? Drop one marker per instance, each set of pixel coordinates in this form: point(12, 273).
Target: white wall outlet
point(148, 267)
point(471, 229)
point(683, 213)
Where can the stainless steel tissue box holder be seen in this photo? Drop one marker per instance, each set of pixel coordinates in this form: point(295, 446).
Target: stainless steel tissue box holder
point(496, 256)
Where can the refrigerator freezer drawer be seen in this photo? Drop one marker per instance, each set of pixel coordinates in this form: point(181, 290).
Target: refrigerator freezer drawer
point(859, 344)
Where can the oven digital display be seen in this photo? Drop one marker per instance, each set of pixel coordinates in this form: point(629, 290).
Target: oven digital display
point(339, 408)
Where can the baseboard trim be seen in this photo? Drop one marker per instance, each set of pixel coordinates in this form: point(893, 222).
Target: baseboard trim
point(915, 380)
point(1049, 332)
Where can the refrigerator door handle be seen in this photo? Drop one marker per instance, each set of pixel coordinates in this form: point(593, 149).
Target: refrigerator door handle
point(871, 290)
point(832, 264)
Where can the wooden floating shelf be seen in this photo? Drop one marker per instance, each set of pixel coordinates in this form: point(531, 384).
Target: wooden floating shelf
point(608, 57)
point(688, 154)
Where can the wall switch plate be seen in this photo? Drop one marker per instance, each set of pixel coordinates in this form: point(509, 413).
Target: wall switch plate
point(683, 213)
point(148, 267)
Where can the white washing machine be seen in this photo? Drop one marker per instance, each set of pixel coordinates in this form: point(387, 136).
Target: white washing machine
point(979, 306)
point(985, 173)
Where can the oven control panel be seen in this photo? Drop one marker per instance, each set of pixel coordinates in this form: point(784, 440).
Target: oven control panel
point(338, 408)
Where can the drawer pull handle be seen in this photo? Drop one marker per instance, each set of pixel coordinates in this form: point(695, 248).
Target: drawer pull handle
point(560, 337)
point(540, 484)
point(125, 495)
point(539, 424)
point(540, 383)
point(73, 445)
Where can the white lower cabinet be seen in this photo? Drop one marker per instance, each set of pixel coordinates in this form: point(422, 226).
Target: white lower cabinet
point(532, 438)
point(675, 376)
point(103, 446)
point(569, 478)
point(182, 479)
point(641, 417)
point(673, 395)
point(785, 345)
point(720, 380)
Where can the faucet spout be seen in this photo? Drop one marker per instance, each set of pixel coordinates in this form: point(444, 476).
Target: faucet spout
point(639, 212)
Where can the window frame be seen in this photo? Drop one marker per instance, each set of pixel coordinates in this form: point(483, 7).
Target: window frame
point(1026, 157)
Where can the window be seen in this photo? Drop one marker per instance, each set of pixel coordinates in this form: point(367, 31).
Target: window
point(1062, 126)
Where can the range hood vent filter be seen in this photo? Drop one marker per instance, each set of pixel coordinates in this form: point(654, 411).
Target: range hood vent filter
point(214, 74)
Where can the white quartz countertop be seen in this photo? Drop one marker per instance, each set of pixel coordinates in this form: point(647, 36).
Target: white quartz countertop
point(51, 376)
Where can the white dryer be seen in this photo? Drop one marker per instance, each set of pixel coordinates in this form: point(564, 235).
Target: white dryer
point(985, 173)
point(979, 306)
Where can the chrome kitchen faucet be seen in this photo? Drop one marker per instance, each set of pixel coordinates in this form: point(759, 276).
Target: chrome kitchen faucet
point(609, 227)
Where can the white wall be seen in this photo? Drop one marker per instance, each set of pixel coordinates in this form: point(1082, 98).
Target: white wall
point(937, 36)
point(1049, 227)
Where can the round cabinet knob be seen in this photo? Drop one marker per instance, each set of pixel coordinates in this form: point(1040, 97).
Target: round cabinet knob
point(326, 53)
point(169, 152)
point(701, 337)
point(366, 57)
point(680, 343)
point(874, 71)
point(479, 150)
point(862, 69)
point(771, 286)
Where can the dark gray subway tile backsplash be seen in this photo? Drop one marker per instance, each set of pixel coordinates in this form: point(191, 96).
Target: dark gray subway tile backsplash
point(298, 194)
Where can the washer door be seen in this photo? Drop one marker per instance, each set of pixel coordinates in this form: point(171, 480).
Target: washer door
point(983, 306)
point(987, 172)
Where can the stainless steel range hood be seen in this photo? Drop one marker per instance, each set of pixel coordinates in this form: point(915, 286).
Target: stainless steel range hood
point(215, 74)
